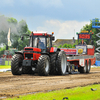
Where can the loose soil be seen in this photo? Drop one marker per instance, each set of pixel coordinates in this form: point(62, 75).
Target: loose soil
point(11, 85)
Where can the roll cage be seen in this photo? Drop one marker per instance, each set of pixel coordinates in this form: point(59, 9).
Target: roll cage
point(46, 40)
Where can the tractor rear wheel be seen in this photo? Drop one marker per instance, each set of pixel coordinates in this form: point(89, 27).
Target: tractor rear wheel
point(16, 64)
point(61, 63)
point(53, 63)
point(43, 65)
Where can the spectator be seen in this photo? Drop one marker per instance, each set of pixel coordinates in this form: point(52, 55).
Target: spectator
point(82, 42)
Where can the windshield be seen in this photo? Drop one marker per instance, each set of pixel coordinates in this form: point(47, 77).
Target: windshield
point(38, 42)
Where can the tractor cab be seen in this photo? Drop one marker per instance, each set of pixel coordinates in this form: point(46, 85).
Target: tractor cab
point(42, 41)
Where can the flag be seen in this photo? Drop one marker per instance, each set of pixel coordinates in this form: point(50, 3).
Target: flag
point(9, 42)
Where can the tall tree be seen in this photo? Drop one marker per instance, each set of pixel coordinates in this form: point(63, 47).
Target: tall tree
point(25, 42)
point(94, 30)
point(17, 29)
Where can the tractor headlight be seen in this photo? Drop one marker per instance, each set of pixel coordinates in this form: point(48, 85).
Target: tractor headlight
point(26, 57)
point(31, 57)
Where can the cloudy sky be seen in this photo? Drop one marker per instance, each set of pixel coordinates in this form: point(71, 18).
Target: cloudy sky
point(63, 17)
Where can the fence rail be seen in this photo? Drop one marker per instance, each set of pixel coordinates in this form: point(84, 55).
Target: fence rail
point(5, 61)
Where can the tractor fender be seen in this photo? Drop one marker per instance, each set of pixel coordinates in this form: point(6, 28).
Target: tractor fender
point(54, 49)
point(20, 52)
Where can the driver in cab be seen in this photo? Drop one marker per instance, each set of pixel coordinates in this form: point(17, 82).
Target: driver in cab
point(40, 44)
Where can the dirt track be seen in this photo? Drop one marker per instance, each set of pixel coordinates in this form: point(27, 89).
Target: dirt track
point(15, 85)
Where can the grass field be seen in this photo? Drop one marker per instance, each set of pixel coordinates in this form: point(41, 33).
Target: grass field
point(78, 93)
point(4, 67)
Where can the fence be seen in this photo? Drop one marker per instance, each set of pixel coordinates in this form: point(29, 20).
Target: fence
point(5, 61)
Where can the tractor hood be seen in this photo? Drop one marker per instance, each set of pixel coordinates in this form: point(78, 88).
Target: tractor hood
point(32, 49)
point(31, 53)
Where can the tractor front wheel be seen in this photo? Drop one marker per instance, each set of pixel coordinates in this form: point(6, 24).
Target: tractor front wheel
point(43, 65)
point(16, 64)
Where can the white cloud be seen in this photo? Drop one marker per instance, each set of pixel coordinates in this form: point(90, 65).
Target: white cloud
point(63, 30)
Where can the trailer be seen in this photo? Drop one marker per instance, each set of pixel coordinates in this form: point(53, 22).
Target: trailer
point(82, 56)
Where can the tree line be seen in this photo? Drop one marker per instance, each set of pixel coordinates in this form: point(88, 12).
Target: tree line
point(21, 27)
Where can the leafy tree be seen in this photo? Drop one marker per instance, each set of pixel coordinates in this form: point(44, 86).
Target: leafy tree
point(65, 45)
point(54, 46)
point(60, 46)
point(73, 46)
point(12, 20)
point(17, 29)
point(25, 42)
point(69, 46)
point(2, 49)
point(94, 30)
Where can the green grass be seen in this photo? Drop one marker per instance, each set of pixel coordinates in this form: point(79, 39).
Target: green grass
point(5, 67)
point(96, 67)
point(78, 93)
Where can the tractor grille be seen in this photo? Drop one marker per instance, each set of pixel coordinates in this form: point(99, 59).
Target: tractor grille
point(28, 48)
point(28, 56)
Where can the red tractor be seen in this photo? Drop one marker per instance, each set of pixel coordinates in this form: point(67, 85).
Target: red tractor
point(39, 57)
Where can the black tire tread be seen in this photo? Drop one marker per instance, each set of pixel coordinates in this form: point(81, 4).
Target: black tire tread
point(41, 65)
point(16, 63)
point(53, 63)
point(59, 70)
point(87, 71)
point(81, 69)
point(27, 70)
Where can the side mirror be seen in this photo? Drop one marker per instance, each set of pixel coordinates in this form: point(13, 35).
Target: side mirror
point(53, 38)
point(22, 38)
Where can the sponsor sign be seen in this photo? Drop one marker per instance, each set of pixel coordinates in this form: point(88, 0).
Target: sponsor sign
point(82, 49)
point(70, 51)
point(84, 36)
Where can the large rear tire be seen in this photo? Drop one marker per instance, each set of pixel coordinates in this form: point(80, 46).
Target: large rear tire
point(43, 65)
point(16, 64)
point(88, 67)
point(53, 63)
point(61, 63)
